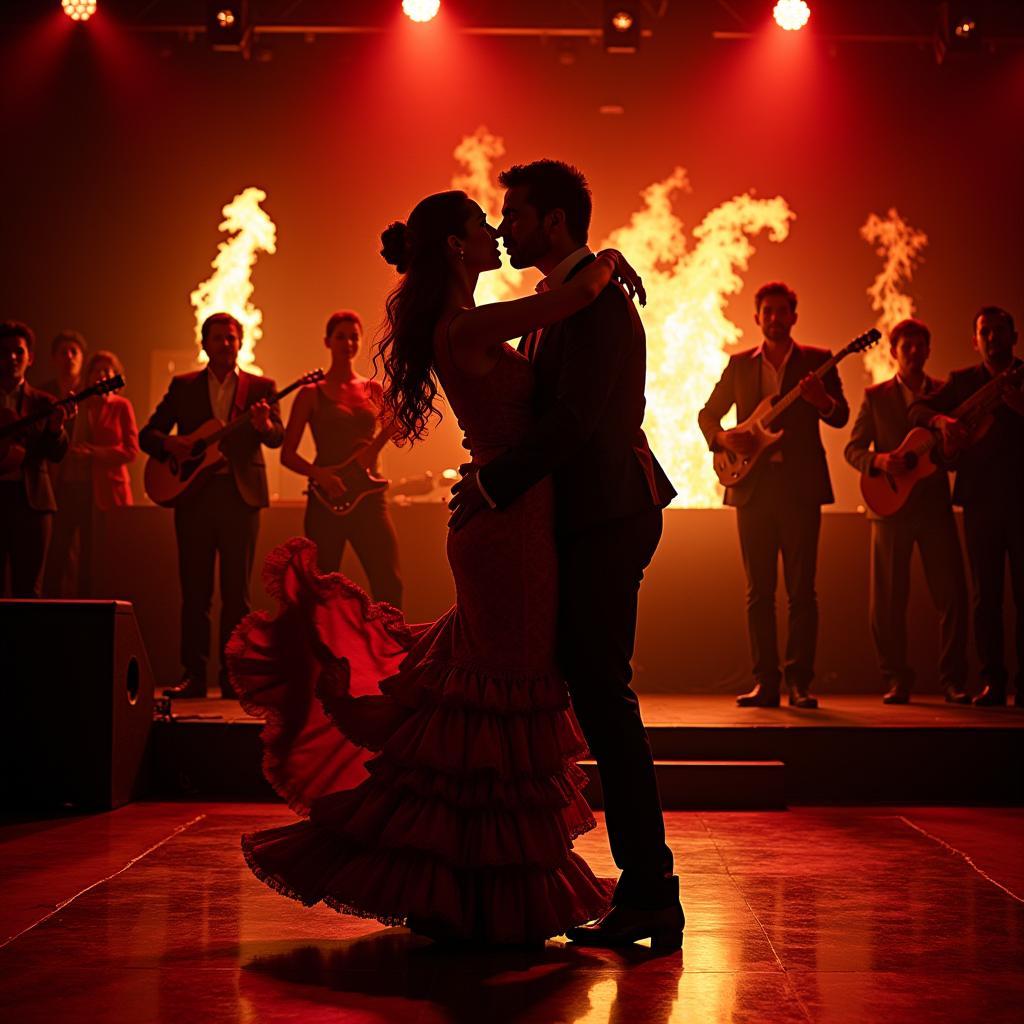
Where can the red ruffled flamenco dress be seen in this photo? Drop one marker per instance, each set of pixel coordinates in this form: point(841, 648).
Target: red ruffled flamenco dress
point(434, 765)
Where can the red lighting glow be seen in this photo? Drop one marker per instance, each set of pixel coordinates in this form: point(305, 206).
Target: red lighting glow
point(622, 21)
point(791, 15)
point(226, 18)
point(78, 10)
point(421, 10)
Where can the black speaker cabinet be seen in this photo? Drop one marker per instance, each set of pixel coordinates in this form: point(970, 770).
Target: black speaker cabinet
point(79, 683)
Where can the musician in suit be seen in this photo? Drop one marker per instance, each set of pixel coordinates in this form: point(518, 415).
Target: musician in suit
point(990, 489)
point(926, 520)
point(220, 518)
point(27, 501)
point(589, 377)
point(778, 506)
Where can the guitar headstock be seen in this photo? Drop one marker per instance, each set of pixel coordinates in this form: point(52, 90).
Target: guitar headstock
point(108, 384)
point(864, 341)
point(314, 376)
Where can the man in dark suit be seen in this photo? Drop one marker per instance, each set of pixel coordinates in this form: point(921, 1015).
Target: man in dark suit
point(990, 489)
point(926, 520)
point(220, 517)
point(27, 503)
point(778, 506)
point(590, 373)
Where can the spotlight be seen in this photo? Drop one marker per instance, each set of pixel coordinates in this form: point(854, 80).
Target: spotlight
point(78, 10)
point(791, 15)
point(621, 27)
point(956, 31)
point(421, 10)
point(228, 27)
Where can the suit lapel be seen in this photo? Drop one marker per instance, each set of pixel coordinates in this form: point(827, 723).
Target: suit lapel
point(203, 403)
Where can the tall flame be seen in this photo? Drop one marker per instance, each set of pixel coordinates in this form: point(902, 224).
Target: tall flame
point(477, 154)
point(687, 329)
point(899, 244)
point(687, 289)
point(230, 289)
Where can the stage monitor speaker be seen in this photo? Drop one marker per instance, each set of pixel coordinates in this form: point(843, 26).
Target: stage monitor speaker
point(80, 686)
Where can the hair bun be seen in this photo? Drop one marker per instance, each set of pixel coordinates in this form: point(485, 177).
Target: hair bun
point(395, 239)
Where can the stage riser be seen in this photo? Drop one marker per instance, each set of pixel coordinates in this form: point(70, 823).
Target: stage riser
point(220, 760)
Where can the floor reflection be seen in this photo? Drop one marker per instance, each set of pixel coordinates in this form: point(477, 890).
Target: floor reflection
point(417, 979)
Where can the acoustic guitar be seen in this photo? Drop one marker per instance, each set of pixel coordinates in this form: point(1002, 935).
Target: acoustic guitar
point(358, 482)
point(731, 468)
point(923, 452)
point(168, 479)
point(12, 453)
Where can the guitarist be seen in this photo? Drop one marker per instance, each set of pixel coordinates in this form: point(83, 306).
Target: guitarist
point(778, 506)
point(344, 414)
point(221, 516)
point(925, 520)
point(27, 503)
point(990, 488)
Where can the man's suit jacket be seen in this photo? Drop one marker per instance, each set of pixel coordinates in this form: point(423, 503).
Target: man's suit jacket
point(41, 446)
point(804, 467)
point(881, 425)
point(590, 372)
point(991, 471)
point(187, 406)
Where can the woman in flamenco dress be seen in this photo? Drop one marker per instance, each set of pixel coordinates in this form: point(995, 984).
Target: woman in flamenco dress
point(434, 765)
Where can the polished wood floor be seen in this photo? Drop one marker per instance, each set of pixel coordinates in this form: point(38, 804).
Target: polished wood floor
point(148, 914)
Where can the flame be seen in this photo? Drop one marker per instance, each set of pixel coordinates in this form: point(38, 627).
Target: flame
point(477, 153)
point(687, 289)
point(900, 246)
point(229, 289)
point(687, 329)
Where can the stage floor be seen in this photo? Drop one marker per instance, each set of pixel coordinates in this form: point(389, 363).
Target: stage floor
point(719, 711)
point(850, 915)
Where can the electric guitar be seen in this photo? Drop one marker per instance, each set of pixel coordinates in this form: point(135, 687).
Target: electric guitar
point(355, 478)
point(923, 451)
point(12, 453)
point(168, 479)
point(731, 468)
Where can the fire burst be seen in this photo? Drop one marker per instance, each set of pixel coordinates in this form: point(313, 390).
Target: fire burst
point(900, 247)
point(687, 290)
point(230, 288)
point(687, 329)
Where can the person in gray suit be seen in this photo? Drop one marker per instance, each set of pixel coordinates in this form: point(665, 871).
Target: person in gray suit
point(778, 505)
point(926, 520)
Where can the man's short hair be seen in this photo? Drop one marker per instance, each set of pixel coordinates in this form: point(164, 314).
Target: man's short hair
point(16, 329)
point(554, 185)
point(340, 317)
point(220, 318)
point(997, 311)
point(774, 288)
point(909, 326)
point(68, 337)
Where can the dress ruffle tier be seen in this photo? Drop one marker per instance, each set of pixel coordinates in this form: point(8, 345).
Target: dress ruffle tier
point(434, 791)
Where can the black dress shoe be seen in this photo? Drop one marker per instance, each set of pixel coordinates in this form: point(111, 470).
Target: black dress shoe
point(800, 698)
point(188, 687)
point(897, 695)
point(955, 696)
point(991, 697)
point(622, 926)
point(761, 696)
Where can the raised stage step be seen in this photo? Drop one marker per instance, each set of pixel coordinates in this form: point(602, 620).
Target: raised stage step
point(710, 785)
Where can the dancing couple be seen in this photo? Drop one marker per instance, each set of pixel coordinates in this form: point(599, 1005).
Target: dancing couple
point(435, 765)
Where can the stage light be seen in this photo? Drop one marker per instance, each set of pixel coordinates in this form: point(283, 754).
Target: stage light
point(965, 28)
point(421, 10)
point(791, 15)
point(956, 32)
point(78, 10)
point(228, 26)
point(621, 27)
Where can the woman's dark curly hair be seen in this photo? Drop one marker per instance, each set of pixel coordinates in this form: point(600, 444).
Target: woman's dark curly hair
point(406, 348)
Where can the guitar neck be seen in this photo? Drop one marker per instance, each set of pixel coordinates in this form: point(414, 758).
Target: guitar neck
point(794, 393)
point(243, 417)
point(41, 414)
point(986, 398)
